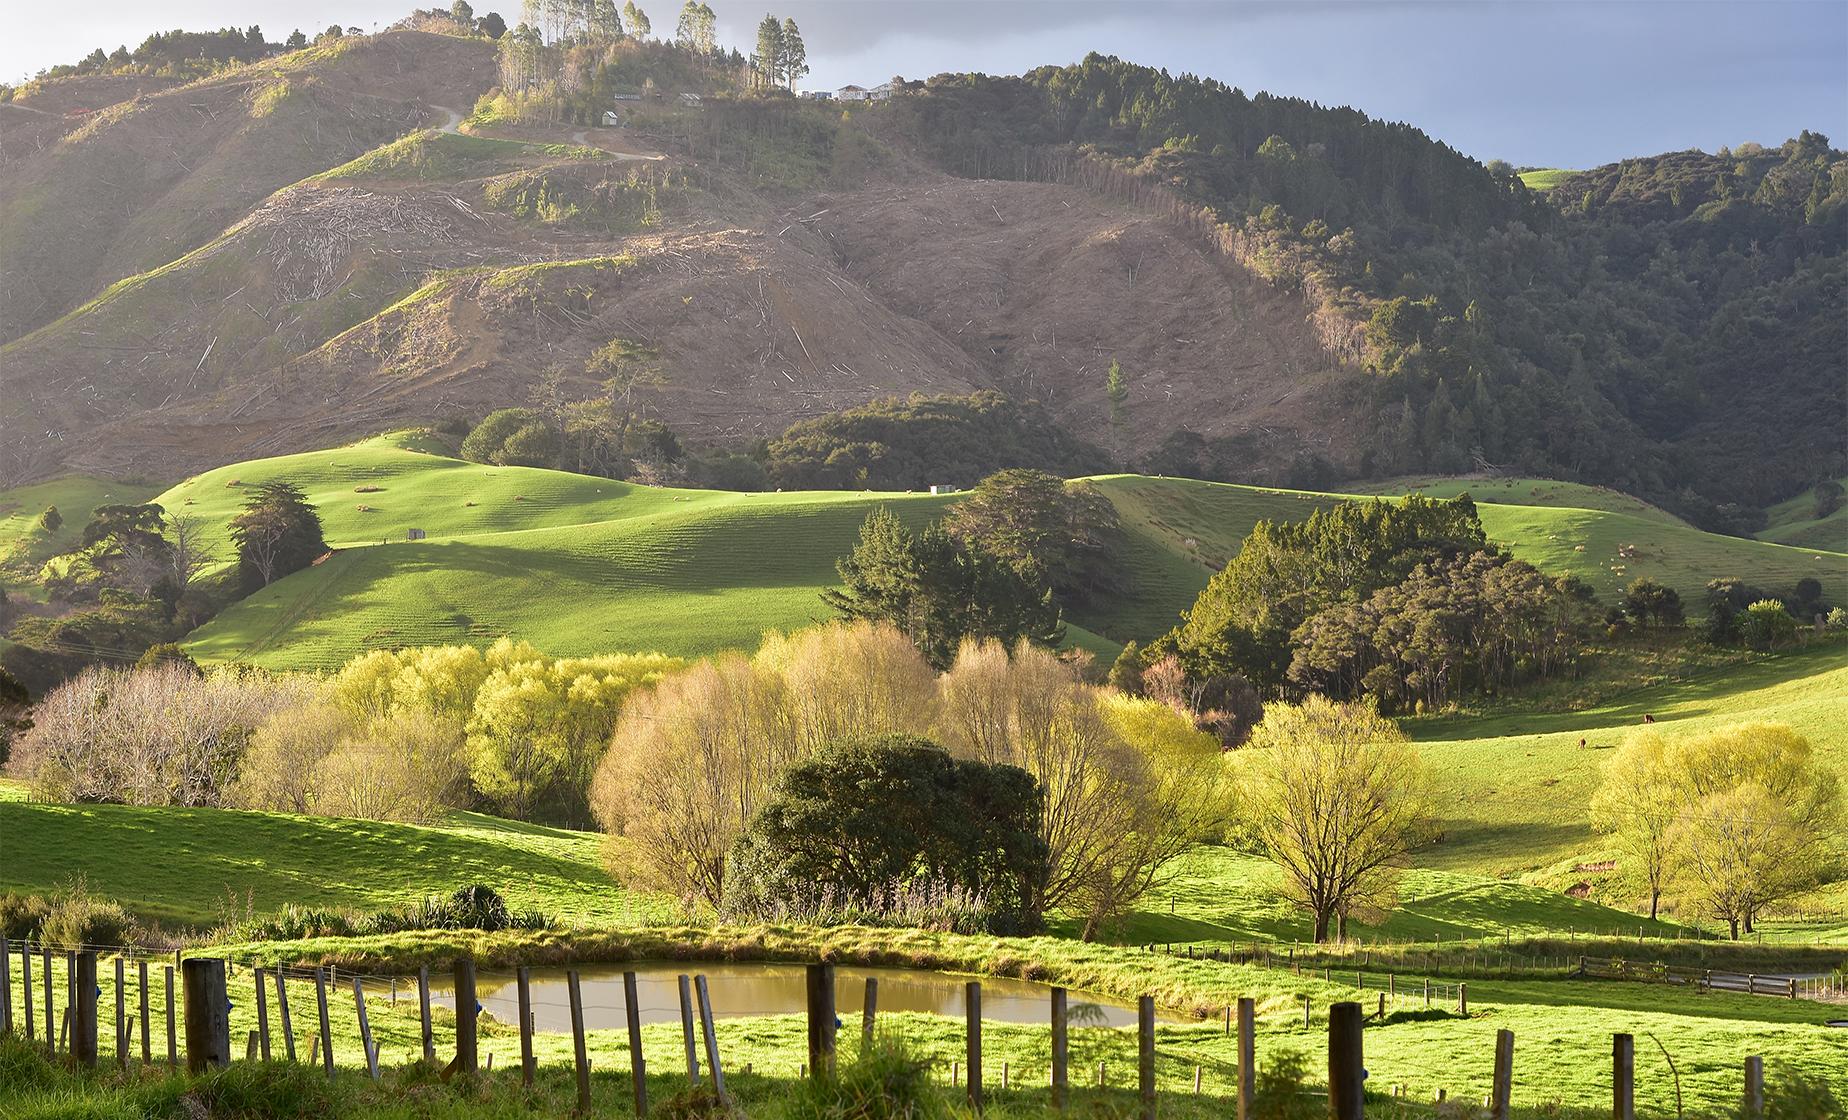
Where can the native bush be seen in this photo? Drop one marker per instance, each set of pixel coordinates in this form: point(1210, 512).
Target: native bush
point(21, 914)
point(875, 826)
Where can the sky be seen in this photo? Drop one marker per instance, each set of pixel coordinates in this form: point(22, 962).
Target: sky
point(1538, 83)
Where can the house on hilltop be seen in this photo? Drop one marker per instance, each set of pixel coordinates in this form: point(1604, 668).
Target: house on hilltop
point(882, 92)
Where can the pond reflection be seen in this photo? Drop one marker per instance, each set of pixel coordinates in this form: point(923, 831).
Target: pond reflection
point(760, 989)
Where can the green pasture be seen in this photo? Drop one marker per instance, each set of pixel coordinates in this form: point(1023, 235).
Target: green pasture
point(1794, 522)
point(1560, 1059)
point(197, 868)
point(1546, 178)
point(578, 564)
point(24, 545)
point(1522, 492)
point(1513, 789)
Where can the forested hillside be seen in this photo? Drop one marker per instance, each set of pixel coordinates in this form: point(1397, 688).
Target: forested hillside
point(1669, 326)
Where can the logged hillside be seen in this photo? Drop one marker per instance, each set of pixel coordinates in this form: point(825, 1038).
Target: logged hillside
point(149, 179)
point(578, 564)
point(287, 254)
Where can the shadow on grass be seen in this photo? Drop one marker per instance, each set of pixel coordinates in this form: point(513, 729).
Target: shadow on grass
point(1696, 696)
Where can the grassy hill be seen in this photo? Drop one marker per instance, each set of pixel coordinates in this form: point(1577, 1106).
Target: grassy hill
point(579, 564)
point(197, 867)
point(1522, 492)
point(24, 544)
point(1546, 178)
point(1515, 787)
point(1794, 522)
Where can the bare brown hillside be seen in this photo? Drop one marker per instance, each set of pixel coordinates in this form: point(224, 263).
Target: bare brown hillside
point(44, 111)
point(148, 179)
point(1044, 285)
point(230, 301)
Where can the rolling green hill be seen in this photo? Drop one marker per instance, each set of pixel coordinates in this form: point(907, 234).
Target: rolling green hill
point(24, 545)
point(578, 564)
point(1794, 522)
point(1546, 178)
point(197, 867)
point(1522, 492)
point(1515, 787)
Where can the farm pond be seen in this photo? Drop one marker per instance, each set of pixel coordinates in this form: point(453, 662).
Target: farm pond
point(758, 989)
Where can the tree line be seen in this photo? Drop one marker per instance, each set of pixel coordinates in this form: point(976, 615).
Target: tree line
point(140, 577)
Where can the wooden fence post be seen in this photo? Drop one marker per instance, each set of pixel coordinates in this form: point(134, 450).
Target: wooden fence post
point(972, 1021)
point(263, 1032)
point(1623, 1077)
point(83, 1031)
point(423, 1012)
point(1058, 1047)
point(686, 1028)
point(173, 1056)
point(712, 1039)
point(868, 1010)
point(577, 1042)
point(208, 1019)
point(1247, 1055)
point(6, 986)
point(326, 1036)
point(25, 986)
point(1754, 1087)
point(1145, 1054)
point(1462, 999)
point(147, 1046)
point(1504, 1075)
point(468, 1015)
point(638, 1069)
point(121, 1009)
point(524, 978)
point(282, 1012)
point(820, 1019)
point(365, 1029)
point(1346, 1087)
point(51, 1018)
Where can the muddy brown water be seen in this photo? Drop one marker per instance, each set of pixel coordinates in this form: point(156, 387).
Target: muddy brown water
point(760, 989)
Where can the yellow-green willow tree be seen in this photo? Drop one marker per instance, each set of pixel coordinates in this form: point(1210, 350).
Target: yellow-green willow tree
point(1339, 798)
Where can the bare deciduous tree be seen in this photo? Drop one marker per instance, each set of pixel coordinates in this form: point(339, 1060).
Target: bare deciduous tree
point(157, 735)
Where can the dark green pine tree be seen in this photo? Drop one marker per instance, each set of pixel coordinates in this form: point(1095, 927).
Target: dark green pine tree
point(278, 533)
